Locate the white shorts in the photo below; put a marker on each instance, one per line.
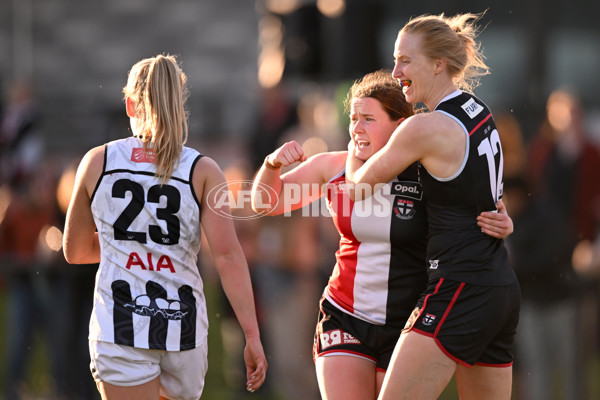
(181, 372)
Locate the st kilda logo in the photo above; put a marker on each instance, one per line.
(404, 209)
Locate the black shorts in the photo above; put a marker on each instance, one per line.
(340, 333)
(472, 324)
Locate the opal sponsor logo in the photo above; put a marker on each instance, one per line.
(412, 190)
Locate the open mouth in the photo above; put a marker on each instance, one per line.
(405, 84)
(362, 144)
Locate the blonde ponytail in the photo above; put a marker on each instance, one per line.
(158, 88)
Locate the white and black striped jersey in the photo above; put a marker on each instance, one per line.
(149, 293)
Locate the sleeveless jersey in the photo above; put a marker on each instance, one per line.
(457, 249)
(380, 267)
(149, 293)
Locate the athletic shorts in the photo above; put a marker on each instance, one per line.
(181, 372)
(339, 333)
(471, 324)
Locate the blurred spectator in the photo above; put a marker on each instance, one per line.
(294, 257)
(290, 285)
(76, 298)
(515, 194)
(29, 241)
(513, 147)
(21, 142)
(276, 114)
(562, 172)
(285, 256)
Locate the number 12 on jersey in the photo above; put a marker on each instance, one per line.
(490, 147)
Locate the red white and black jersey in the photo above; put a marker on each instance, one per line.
(380, 265)
(457, 248)
(148, 289)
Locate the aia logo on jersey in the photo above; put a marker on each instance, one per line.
(140, 155)
(428, 319)
(404, 209)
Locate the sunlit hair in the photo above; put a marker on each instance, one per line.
(157, 86)
(381, 86)
(454, 39)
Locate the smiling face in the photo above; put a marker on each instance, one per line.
(370, 126)
(412, 68)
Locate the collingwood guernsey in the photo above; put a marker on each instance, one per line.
(148, 288)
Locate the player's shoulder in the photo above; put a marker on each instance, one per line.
(441, 122)
(207, 171)
(94, 157)
(91, 167)
(428, 131)
(423, 125)
(433, 119)
(206, 166)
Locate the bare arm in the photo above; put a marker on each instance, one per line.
(402, 149)
(80, 241)
(232, 268)
(274, 194)
(432, 138)
(438, 144)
